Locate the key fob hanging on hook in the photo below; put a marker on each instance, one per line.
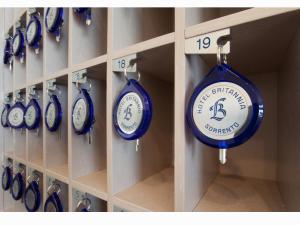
(86, 12)
(34, 32)
(132, 112)
(83, 112)
(16, 115)
(53, 113)
(225, 109)
(7, 55)
(53, 202)
(18, 185)
(4, 120)
(32, 195)
(7, 177)
(18, 44)
(32, 115)
(54, 21)
(84, 205)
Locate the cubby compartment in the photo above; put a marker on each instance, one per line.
(7, 71)
(20, 68)
(260, 175)
(200, 15)
(56, 142)
(8, 201)
(145, 181)
(89, 42)
(35, 136)
(19, 141)
(56, 53)
(133, 25)
(34, 61)
(89, 158)
(8, 144)
(80, 200)
(19, 167)
(38, 176)
(63, 192)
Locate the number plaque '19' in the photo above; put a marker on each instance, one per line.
(225, 109)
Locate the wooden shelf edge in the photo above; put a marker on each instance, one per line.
(145, 45)
(238, 18)
(82, 184)
(35, 166)
(128, 205)
(62, 175)
(35, 81)
(155, 189)
(57, 74)
(89, 63)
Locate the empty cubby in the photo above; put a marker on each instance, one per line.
(133, 25)
(146, 178)
(56, 142)
(89, 159)
(259, 173)
(89, 42)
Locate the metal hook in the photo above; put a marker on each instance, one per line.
(126, 76)
(86, 201)
(54, 187)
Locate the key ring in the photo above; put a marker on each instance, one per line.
(77, 84)
(54, 187)
(126, 75)
(86, 201)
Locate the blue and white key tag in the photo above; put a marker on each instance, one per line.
(53, 202)
(18, 42)
(32, 195)
(8, 53)
(54, 20)
(15, 116)
(33, 112)
(4, 113)
(86, 13)
(34, 30)
(53, 113)
(83, 116)
(225, 109)
(132, 111)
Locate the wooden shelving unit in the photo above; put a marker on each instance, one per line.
(172, 171)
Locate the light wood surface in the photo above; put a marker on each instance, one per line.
(152, 194)
(234, 193)
(172, 171)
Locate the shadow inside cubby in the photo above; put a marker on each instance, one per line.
(57, 141)
(134, 25)
(146, 177)
(199, 15)
(35, 136)
(90, 41)
(89, 159)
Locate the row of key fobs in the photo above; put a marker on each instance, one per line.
(14, 181)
